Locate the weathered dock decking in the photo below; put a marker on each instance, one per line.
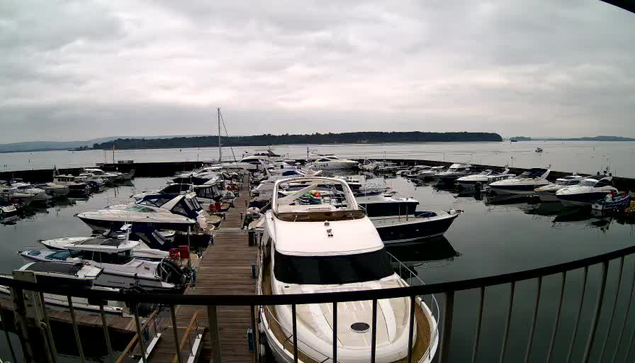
(224, 269)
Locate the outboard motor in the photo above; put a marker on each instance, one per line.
(170, 272)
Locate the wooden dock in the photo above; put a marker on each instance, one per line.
(224, 269)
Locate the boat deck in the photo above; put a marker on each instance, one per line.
(224, 269)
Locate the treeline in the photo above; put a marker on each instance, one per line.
(317, 138)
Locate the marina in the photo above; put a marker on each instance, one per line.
(228, 265)
(388, 187)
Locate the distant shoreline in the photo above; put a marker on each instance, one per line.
(286, 139)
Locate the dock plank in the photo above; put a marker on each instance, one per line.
(225, 268)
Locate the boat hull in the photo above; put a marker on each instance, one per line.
(582, 199)
(398, 230)
(100, 225)
(525, 189)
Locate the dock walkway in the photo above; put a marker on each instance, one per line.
(224, 269)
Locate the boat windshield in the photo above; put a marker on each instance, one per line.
(588, 183)
(332, 270)
(533, 173)
(140, 208)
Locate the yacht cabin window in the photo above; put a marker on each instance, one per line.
(332, 270)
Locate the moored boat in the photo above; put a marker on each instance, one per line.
(329, 245)
(587, 191)
(522, 185)
(417, 227)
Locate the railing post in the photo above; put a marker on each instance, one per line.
(533, 321)
(508, 322)
(626, 315)
(373, 339)
(334, 331)
(556, 323)
(6, 334)
(577, 320)
(78, 340)
(411, 323)
(294, 317)
(22, 323)
(104, 323)
(477, 334)
(52, 350)
(448, 314)
(176, 333)
(142, 345)
(617, 295)
(598, 311)
(212, 319)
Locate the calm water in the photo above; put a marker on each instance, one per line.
(485, 240)
(582, 157)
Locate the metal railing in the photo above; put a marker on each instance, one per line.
(593, 342)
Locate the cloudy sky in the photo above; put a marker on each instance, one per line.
(74, 70)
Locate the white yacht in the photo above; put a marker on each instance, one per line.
(119, 268)
(454, 172)
(108, 177)
(111, 238)
(36, 195)
(548, 192)
(483, 179)
(524, 184)
(429, 174)
(586, 192)
(332, 162)
(160, 211)
(55, 190)
(326, 244)
(75, 188)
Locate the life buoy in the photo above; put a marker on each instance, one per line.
(174, 253)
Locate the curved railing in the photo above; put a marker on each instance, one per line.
(448, 289)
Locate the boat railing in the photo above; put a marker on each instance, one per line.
(592, 317)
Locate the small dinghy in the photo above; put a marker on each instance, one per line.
(613, 202)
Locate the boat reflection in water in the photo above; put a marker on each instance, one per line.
(429, 252)
(564, 215)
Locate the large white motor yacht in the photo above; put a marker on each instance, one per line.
(548, 192)
(524, 184)
(318, 240)
(332, 162)
(586, 192)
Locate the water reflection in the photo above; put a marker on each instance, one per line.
(429, 252)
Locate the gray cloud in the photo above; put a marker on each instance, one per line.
(85, 69)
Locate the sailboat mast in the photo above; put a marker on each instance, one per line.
(220, 149)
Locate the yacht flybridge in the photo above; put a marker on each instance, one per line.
(316, 240)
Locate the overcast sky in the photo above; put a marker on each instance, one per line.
(74, 70)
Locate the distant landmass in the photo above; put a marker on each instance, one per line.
(586, 138)
(316, 138)
(595, 138)
(29, 146)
